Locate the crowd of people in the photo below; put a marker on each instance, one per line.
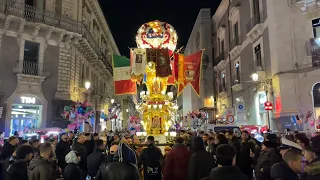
(193, 156)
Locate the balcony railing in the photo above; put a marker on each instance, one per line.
(256, 19)
(33, 14)
(220, 57)
(235, 80)
(222, 88)
(234, 42)
(30, 68)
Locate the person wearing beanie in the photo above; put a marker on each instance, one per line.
(19, 168)
(268, 156)
(312, 155)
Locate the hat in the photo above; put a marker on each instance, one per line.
(270, 144)
(113, 149)
(287, 144)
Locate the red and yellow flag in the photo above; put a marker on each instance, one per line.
(191, 72)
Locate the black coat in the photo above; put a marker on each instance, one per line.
(62, 149)
(7, 151)
(244, 161)
(265, 161)
(94, 161)
(200, 165)
(281, 171)
(40, 169)
(17, 170)
(227, 173)
(73, 172)
(119, 171)
(312, 171)
(81, 149)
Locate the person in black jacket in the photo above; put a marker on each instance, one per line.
(268, 157)
(19, 168)
(123, 169)
(78, 146)
(246, 155)
(40, 168)
(290, 168)
(7, 151)
(152, 160)
(62, 149)
(95, 159)
(201, 162)
(72, 170)
(9, 147)
(226, 170)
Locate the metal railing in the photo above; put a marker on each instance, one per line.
(36, 15)
(256, 19)
(220, 57)
(236, 80)
(234, 42)
(30, 68)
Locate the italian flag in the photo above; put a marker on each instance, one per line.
(122, 76)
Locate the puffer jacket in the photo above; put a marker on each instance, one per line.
(123, 169)
(312, 171)
(40, 169)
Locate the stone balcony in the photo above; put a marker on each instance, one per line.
(236, 83)
(255, 25)
(308, 7)
(18, 17)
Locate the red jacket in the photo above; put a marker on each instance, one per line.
(176, 163)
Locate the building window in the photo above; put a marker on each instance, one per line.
(258, 55)
(256, 7)
(236, 32)
(316, 27)
(82, 74)
(222, 46)
(31, 58)
(222, 86)
(237, 72)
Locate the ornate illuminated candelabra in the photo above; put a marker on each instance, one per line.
(157, 106)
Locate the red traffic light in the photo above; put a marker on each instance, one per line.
(268, 106)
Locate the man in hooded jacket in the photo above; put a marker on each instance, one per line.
(124, 167)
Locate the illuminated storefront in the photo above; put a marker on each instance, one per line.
(24, 112)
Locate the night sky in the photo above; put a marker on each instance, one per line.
(125, 17)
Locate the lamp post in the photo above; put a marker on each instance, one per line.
(255, 77)
(87, 85)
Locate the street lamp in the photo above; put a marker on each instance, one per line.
(87, 85)
(255, 77)
(112, 101)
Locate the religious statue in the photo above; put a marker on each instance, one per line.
(156, 122)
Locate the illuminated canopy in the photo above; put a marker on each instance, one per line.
(157, 34)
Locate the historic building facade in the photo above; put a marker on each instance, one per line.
(265, 50)
(49, 52)
(198, 40)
